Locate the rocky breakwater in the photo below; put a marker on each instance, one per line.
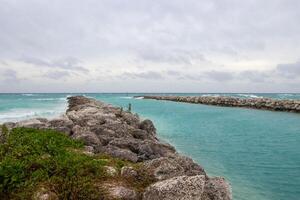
(255, 103)
(106, 129)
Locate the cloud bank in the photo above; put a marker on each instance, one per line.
(150, 46)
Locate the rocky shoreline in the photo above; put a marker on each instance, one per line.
(255, 103)
(106, 129)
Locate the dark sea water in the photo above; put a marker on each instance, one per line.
(257, 151)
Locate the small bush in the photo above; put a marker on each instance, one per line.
(4, 130)
(33, 161)
(31, 158)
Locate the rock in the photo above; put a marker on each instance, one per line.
(140, 134)
(128, 172)
(44, 194)
(148, 126)
(117, 152)
(256, 103)
(121, 192)
(110, 170)
(88, 137)
(177, 165)
(217, 189)
(177, 188)
(62, 124)
(131, 119)
(88, 150)
(151, 149)
(10, 125)
(31, 123)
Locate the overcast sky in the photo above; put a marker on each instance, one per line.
(150, 46)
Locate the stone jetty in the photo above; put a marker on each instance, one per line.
(106, 129)
(255, 103)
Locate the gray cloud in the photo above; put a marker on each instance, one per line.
(68, 63)
(10, 77)
(149, 75)
(198, 35)
(57, 74)
(173, 73)
(219, 75)
(255, 76)
(290, 70)
(171, 56)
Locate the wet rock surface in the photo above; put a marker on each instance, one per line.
(106, 129)
(255, 103)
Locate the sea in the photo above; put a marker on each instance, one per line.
(257, 151)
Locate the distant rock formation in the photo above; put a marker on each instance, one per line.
(255, 103)
(110, 130)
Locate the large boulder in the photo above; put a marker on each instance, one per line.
(177, 188)
(197, 187)
(32, 123)
(117, 152)
(217, 189)
(118, 191)
(148, 126)
(88, 137)
(177, 165)
(44, 194)
(63, 124)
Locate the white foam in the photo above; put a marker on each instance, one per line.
(210, 95)
(15, 115)
(249, 96)
(126, 97)
(139, 97)
(50, 99)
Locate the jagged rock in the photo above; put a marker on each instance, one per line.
(128, 172)
(168, 167)
(10, 125)
(88, 137)
(88, 150)
(177, 188)
(217, 189)
(117, 152)
(62, 124)
(131, 119)
(31, 123)
(256, 103)
(111, 170)
(139, 134)
(148, 126)
(44, 194)
(120, 192)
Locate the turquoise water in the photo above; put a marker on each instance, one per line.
(257, 151)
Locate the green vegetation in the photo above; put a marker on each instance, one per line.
(35, 160)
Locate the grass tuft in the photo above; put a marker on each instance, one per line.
(34, 161)
(30, 159)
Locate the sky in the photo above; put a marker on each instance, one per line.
(150, 46)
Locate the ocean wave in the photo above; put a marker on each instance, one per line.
(126, 97)
(210, 95)
(139, 97)
(249, 95)
(28, 95)
(51, 99)
(22, 114)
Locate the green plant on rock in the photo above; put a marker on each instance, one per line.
(31, 158)
(33, 162)
(3, 133)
